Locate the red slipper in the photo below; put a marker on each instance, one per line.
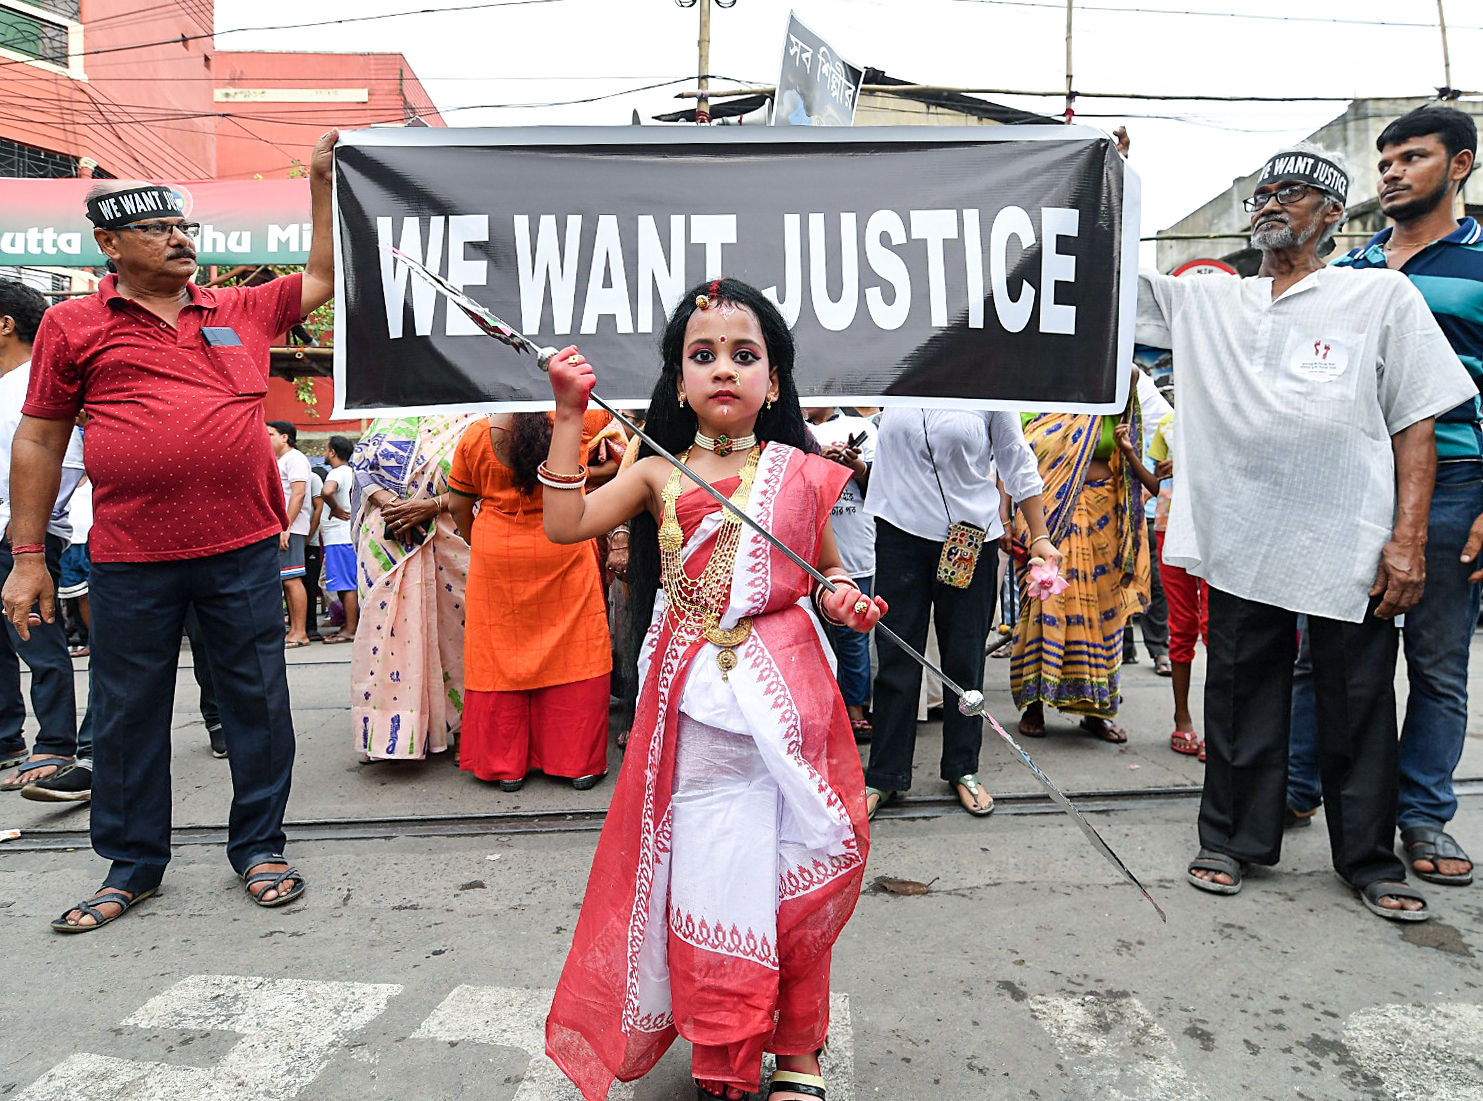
(1188, 743)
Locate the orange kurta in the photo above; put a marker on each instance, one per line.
(534, 614)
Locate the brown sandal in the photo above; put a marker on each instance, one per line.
(1105, 729)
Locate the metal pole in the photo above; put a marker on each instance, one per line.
(703, 104)
(1070, 95)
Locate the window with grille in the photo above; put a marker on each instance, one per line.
(31, 36)
(29, 162)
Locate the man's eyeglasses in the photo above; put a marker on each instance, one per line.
(164, 229)
(1285, 197)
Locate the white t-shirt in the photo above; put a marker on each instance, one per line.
(1285, 490)
(333, 532)
(12, 397)
(294, 467)
(965, 447)
(316, 484)
(854, 529)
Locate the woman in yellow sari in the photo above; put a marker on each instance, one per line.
(1067, 650)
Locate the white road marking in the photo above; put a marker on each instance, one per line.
(1422, 1052)
(1120, 1051)
(505, 1017)
(290, 1030)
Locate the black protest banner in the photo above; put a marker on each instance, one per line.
(992, 267)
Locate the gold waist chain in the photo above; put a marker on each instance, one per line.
(698, 602)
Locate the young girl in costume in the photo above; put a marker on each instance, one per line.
(734, 849)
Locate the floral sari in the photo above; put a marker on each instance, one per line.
(407, 667)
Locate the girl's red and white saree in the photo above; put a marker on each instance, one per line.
(735, 845)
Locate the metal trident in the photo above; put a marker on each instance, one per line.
(970, 700)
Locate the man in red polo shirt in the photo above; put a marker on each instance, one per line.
(172, 375)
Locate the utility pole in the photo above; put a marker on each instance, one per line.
(1445, 92)
(1070, 95)
(703, 101)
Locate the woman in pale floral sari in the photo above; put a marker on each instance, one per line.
(407, 670)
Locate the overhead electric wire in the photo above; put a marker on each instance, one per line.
(183, 39)
(1118, 10)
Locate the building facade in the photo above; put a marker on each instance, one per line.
(1220, 228)
(116, 88)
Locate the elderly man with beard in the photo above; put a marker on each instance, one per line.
(172, 375)
(1425, 158)
(1307, 401)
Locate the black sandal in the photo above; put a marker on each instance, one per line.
(1209, 861)
(90, 909)
(791, 1081)
(1431, 843)
(273, 881)
(1371, 894)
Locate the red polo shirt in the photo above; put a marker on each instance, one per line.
(175, 447)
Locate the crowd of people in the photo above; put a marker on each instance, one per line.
(1324, 476)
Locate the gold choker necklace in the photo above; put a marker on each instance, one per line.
(723, 444)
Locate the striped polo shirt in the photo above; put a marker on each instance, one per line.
(1449, 274)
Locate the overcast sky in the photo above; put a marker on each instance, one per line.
(478, 63)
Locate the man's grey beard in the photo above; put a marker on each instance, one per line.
(1272, 236)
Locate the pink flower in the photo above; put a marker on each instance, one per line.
(1044, 579)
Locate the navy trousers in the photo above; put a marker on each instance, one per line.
(45, 653)
(139, 611)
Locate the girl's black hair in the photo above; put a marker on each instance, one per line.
(673, 425)
(527, 444)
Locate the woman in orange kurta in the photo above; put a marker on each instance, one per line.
(537, 656)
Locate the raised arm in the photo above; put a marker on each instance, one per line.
(572, 516)
(319, 272)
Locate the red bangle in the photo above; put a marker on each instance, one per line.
(29, 548)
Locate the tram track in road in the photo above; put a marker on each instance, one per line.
(523, 823)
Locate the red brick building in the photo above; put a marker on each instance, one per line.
(124, 89)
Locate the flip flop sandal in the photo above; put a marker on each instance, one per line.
(1209, 861)
(1371, 894)
(10, 760)
(337, 640)
(862, 729)
(884, 797)
(1163, 667)
(1430, 843)
(271, 880)
(1105, 729)
(1186, 742)
(969, 783)
(90, 909)
(60, 763)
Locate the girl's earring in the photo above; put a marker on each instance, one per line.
(682, 401)
(769, 403)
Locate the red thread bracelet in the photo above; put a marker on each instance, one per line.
(29, 548)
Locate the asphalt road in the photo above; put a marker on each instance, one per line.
(420, 962)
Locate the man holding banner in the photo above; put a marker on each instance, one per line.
(171, 374)
(1307, 401)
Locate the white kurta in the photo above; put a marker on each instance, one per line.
(1285, 493)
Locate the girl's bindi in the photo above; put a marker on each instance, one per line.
(723, 338)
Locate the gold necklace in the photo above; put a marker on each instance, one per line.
(698, 602)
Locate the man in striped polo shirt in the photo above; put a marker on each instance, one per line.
(1425, 157)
